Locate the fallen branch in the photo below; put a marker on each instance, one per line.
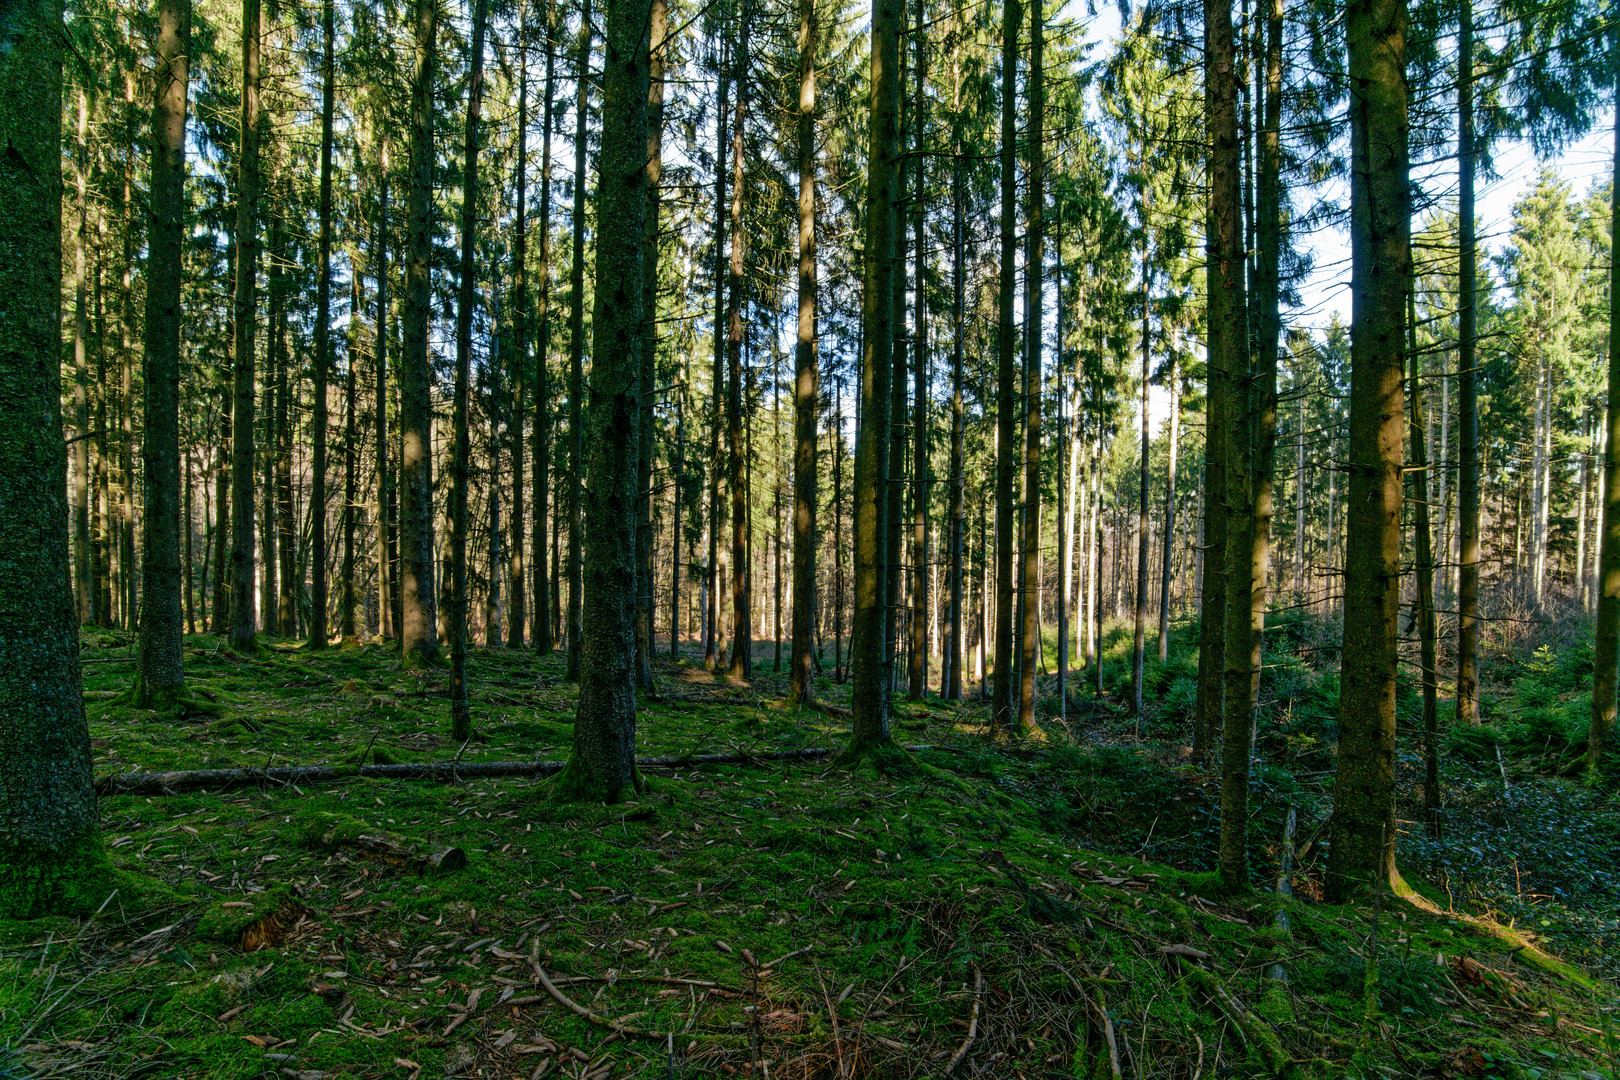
(581, 1011)
(166, 783)
(973, 1024)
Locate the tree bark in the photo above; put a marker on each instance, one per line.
(1363, 841)
(384, 548)
(869, 697)
(318, 632)
(1606, 652)
(921, 541)
(1030, 538)
(517, 622)
(806, 384)
(576, 354)
(1468, 555)
(419, 640)
(658, 28)
(245, 319)
(603, 763)
(1001, 703)
(160, 672)
(460, 714)
(742, 635)
(49, 834)
(543, 580)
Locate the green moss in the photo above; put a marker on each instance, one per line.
(575, 785)
(75, 881)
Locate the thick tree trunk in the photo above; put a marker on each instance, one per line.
(1363, 841)
(245, 320)
(48, 836)
(806, 383)
(419, 640)
(869, 699)
(603, 763)
(318, 632)
(160, 673)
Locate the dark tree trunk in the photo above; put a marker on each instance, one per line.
(951, 677)
(419, 622)
(347, 595)
(917, 671)
(576, 352)
(742, 631)
(160, 672)
(516, 623)
(1363, 841)
(460, 715)
(713, 621)
(1607, 639)
(323, 347)
(659, 26)
(869, 698)
(806, 383)
(245, 317)
(1001, 701)
(603, 763)
(384, 551)
(49, 836)
(543, 578)
(1468, 556)
(1030, 539)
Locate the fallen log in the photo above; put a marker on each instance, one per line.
(166, 783)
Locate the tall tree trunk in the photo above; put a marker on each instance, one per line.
(603, 763)
(270, 584)
(517, 622)
(160, 676)
(347, 595)
(83, 598)
(951, 677)
(318, 632)
(917, 672)
(576, 352)
(1606, 653)
(869, 698)
(714, 622)
(1424, 558)
(806, 384)
(742, 649)
(659, 28)
(219, 617)
(1030, 539)
(1139, 625)
(1173, 378)
(384, 548)
(245, 317)
(543, 579)
(286, 534)
(1001, 702)
(460, 714)
(1380, 212)
(1225, 317)
(49, 846)
(419, 640)
(1468, 555)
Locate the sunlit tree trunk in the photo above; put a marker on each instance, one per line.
(1001, 699)
(806, 383)
(318, 632)
(576, 353)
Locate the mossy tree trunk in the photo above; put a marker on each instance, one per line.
(1380, 228)
(160, 672)
(48, 831)
(603, 764)
(419, 640)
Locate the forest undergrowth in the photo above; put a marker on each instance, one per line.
(969, 909)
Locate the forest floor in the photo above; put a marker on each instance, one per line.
(1038, 910)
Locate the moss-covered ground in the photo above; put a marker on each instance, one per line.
(1035, 910)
